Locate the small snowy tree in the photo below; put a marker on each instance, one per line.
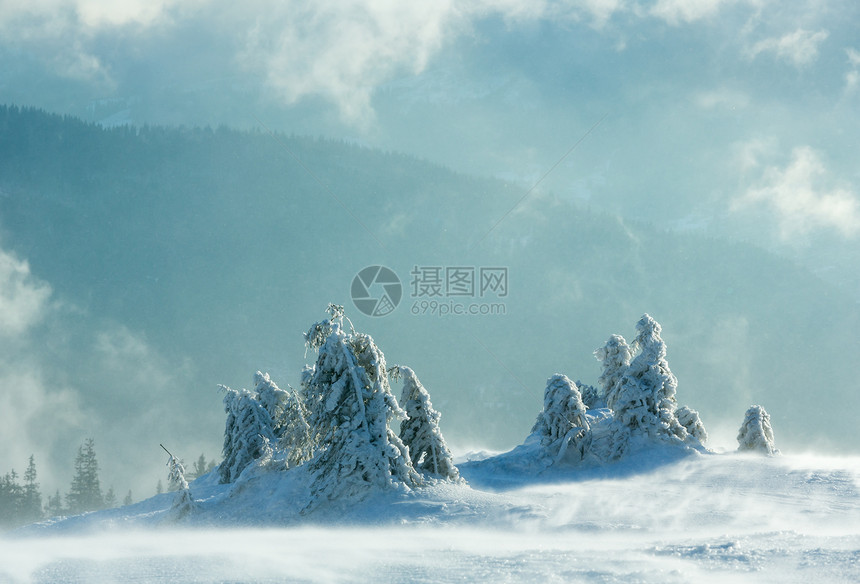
(289, 417)
(689, 418)
(615, 357)
(274, 399)
(183, 502)
(248, 434)
(350, 407)
(420, 431)
(295, 439)
(756, 433)
(644, 398)
(563, 420)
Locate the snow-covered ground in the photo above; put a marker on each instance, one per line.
(662, 516)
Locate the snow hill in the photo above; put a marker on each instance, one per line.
(661, 516)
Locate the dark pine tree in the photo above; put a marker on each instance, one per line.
(85, 493)
(31, 507)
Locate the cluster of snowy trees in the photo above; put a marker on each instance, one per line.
(634, 404)
(338, 426)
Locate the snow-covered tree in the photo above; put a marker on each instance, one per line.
(295, 440)
(273, 398)
(563, 422)
(248, 434)
(289, 418)
(689, 418)
(644, 398)
(756, 433)
(420, 431)
(85, 493)
(128, 500)
(350, 406)
(615, 357)
(183, 502)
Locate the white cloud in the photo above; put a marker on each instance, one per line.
(56, 15)
(23, 298)
(799, 196)
(340, 50)
(685, 11)
(800, 48)
(343, 50)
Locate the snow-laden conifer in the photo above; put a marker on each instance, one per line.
(644, 398)
(420, 430)
(183, 501)
(248, 434)
(615, 357)
(289, 423)
(756, 433)
(690, 420)
(273, 398)
(350, 406)
(563, 423)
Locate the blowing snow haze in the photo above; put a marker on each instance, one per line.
(184, 187)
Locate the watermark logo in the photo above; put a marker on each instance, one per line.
(435, 290)
(376, 291)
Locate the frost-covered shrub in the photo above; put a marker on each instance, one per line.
(350, 406)
(420, 430)
(756, 433)
(248, 434)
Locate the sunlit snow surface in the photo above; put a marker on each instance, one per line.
(714, 518)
